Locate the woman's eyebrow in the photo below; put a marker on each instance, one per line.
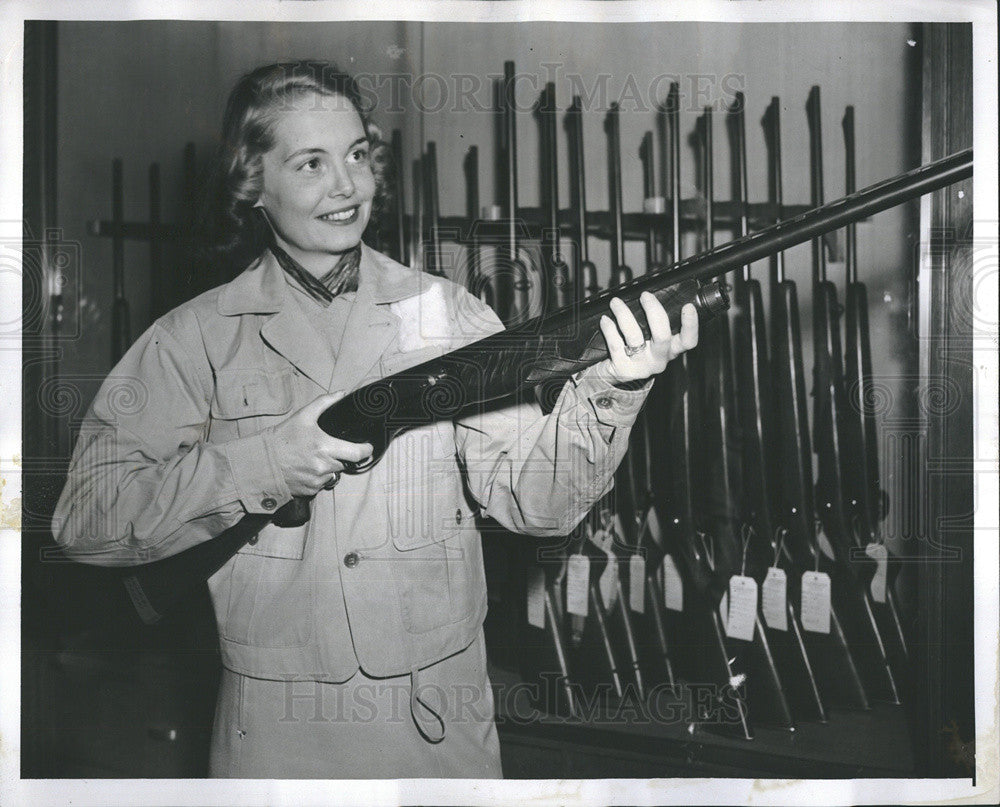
(305, 151)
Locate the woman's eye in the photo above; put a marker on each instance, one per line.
(310, 165)
(359, 155)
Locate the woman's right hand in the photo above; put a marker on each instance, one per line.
(309, 458)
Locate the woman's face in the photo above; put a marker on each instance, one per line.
(318, 183)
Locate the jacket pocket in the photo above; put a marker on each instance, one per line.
(424, 486)
(254, 398)
(270, 603)
(436, 557)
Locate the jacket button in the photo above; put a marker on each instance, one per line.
(253, 540)
(268, 503)
(351, 560)
(458, 516)
(604, 402)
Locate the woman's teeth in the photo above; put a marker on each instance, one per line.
(343, 215)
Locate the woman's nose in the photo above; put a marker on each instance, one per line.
(342, 183)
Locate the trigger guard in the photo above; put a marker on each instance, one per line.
(359, 467)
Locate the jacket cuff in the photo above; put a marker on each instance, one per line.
(257, 478)
(612, 405)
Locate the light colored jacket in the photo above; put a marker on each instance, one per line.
(388, 572)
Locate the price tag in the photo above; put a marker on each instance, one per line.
(742, 607)
(536, 597)
(673, 586)
(637, 583)
(773, 599)
(816, 602)
(880, 555)
(577, 583)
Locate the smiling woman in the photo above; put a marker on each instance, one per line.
(381, 594)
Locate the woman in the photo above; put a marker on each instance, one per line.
(352, 646)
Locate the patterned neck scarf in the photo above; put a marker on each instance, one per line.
(342, 277)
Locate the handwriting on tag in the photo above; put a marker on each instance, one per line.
(673, 586)
(536, 597)
(880, 555)
(816, 602)
(637, 583)
(742, 607)
(773, 599)
(577, 584)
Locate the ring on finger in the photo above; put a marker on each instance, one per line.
(332, 481)
(632, 350)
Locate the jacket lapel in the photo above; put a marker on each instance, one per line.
(371, 327)
(291, 334)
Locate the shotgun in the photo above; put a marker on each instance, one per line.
(503, 364)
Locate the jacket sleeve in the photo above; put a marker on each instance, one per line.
(143, 482)
(539, 474)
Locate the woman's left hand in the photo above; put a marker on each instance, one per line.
(633, 358)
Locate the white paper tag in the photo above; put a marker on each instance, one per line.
(637, 583)
(673, 586)
(880, 555)
(577, 583)
(773, 599)
(536, 597)
(742, 607)
(816, 602)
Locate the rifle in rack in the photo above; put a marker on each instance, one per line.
(778, 628)
(398, 205)
(432, 264)
(584, 271)
(513, 281)
(866, 500)
(851, 576)
(704, 560)
(651, 203)
(512, 361)
(476, 280)
(835, 668)
(558, 290)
